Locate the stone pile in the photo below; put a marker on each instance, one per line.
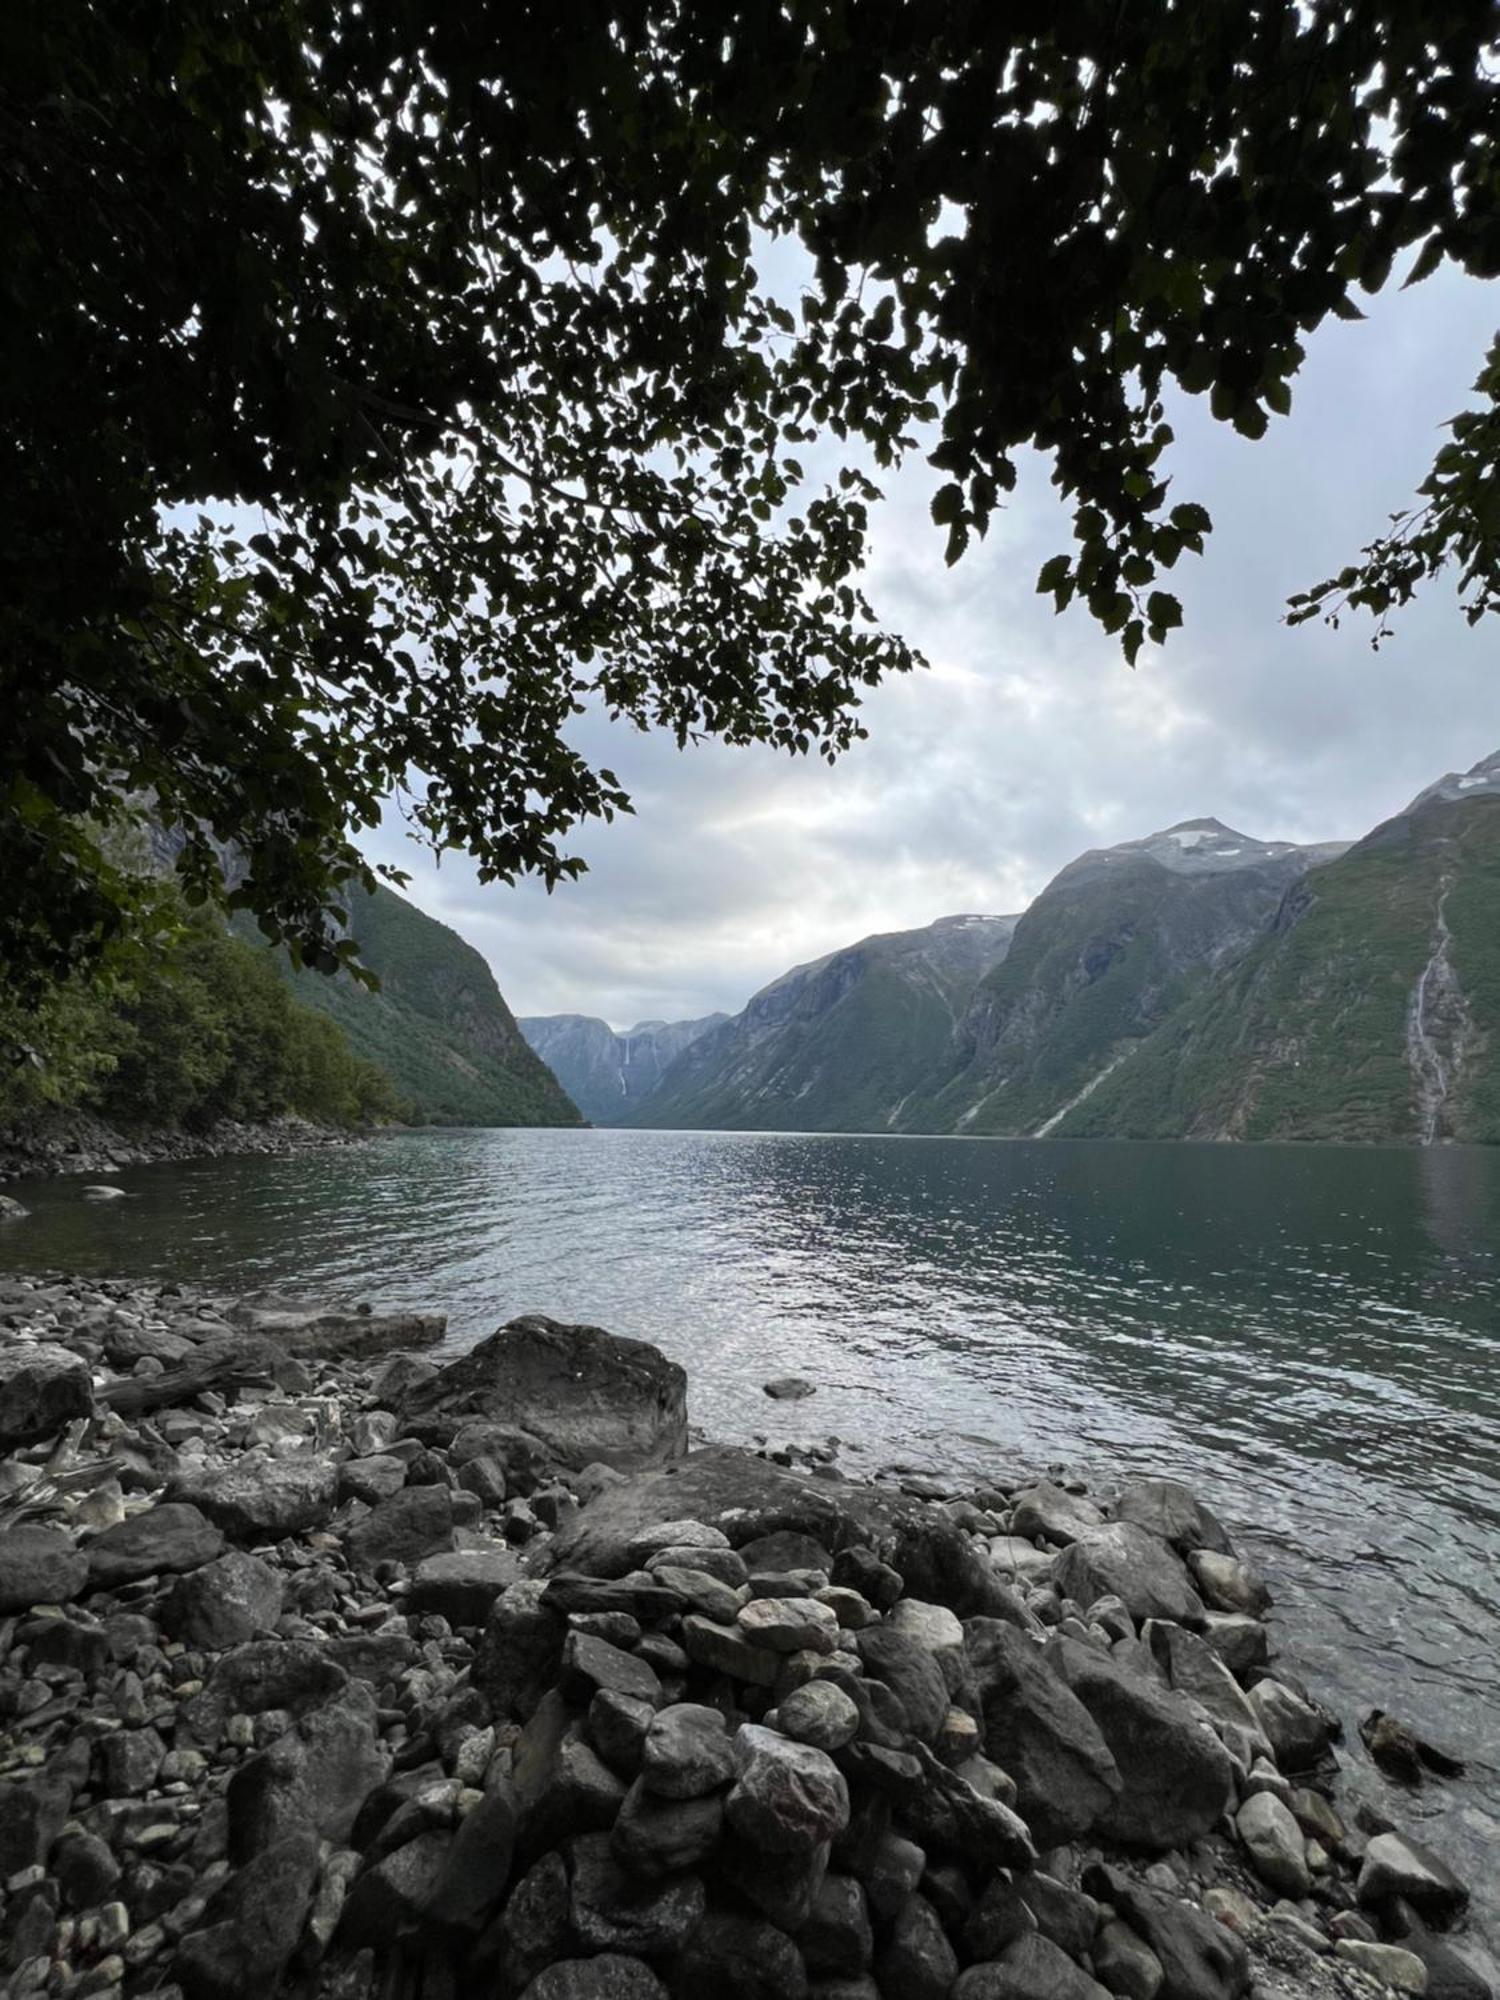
(364, 1677)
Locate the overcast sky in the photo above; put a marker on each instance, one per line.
(1029, 740)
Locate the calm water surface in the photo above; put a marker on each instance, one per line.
(1309, 1335)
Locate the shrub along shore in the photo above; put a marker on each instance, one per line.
(328, 1668)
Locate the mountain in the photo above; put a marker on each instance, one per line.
(608, 1074)
(1369, 1011)
(438, 1026)
(1114, 944)
(836, 1045)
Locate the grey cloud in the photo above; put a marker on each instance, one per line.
(1030, 740)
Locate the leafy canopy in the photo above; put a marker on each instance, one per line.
(381, 383)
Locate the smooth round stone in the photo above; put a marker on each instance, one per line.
(728, 1565)
(851, 1610)
(820, 1714)
(789, 1624)
(1394, 1967)
(1273, 1840)
(687, 1752)
(673, 1535)
(932, 1626)
(1227, 1584)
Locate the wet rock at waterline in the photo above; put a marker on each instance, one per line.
(790, 1389)
(42, 1387)
(589, 1397)
(292, 1693)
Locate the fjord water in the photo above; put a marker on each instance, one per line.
(1308, 1335)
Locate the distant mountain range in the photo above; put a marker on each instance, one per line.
(608, 1075)
(835, 1045)
(1195, 984)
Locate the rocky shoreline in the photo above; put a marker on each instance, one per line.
(77, 1144)
(329, 1671)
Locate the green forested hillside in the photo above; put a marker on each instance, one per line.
(1112, 947)
(438, 1026)
(1370, 1010)
(195, 1029)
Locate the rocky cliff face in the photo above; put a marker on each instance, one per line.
(1369, 1011)
(836, 1045)
(1109, 950)
(607, 1073)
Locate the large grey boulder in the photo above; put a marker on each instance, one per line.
(476, 1869)
(415, 1523)
(161, 1541)
(39, 1566)
(742, 1496)
(1038, 1730)
(225, 1603)
(261, 1499)
(589, 1396)
(251, 1925)
(787, 1797)
(1274, 1842)
(1176, 1778)
(1297, 1729)
(1048, 1513)
(317, 1775)
(1193, 1668)
(461, 1586)
(1123, 1560)
(1167, 1508)
(520, 1652)
(1395, 1866)
(42, 1387)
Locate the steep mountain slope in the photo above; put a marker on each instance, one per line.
(1370, 1011)
(438, 1026)
(608, 1074)
(838, 1044)
(1112, 946)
